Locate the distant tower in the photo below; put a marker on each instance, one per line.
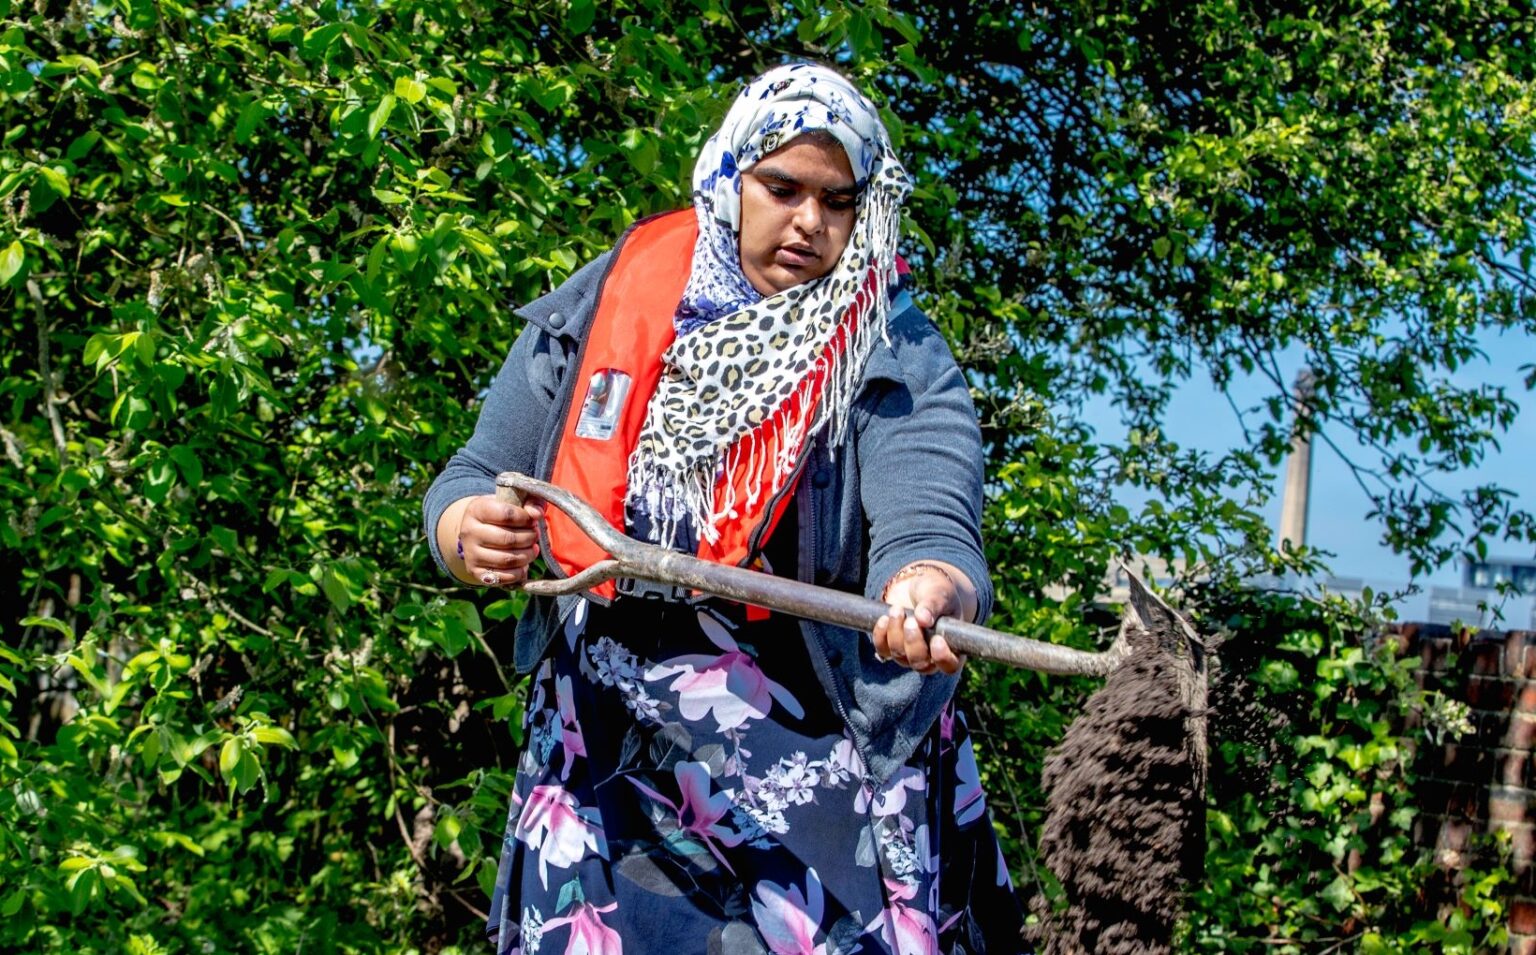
(1298, 469)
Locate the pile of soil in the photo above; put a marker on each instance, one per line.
(1125, 802)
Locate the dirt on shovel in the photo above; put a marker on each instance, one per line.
(1125, 796)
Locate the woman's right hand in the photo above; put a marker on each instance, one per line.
(497, 541)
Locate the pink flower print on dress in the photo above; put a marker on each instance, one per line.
(729, 687)
(906, 930)
(571, 742)
(700, 813)
(787, 919)
(560, 832)
(589, 936)
(891, 800)
(843, 764)
(791, 781)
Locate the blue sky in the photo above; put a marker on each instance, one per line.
(1200, 417)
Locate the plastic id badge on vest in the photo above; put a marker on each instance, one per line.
(606, 391)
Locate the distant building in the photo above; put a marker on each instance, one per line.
(1295, 501)
(1479, 592)
(1450, 605)
(1489, 574)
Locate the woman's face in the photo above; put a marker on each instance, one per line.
(797, 209)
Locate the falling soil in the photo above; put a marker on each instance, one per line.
(1125, 811)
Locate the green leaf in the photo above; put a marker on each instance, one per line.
(191, 466)
(485, 875)
(82, 888)
(11, 259)
(335, 588)
(247, 772)
(274, 736)
(121, 882)
(1339, 894)
(380, 115)
(76, 61)
(410, 90)
(645, 155)
(317, 41)
(452, 636)
(505, 608)
(56, 179)
(580, 15)
(158, 478)
(146, 77)
(226, 539)
(448, 828)
(12, 182)
(229, 757)
(251, 116)
(52, 623)
(467, 612)
(82, 145)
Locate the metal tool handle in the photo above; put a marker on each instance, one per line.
(632, 558)
(507, 494)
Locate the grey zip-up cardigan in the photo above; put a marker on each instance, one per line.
(905, 486)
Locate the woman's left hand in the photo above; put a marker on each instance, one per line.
(918, 596)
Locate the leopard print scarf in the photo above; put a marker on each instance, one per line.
(743, 365)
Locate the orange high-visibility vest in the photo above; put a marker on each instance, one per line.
(631, 328)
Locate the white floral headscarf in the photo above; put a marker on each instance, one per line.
(739, 356)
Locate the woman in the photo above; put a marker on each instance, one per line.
(750, 381)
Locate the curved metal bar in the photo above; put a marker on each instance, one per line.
(582, 514)
(603, 570)
(632, 558)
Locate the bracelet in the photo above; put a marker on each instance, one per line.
(916, 567)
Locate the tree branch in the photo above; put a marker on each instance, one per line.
(12, 449)
(45, 368)
(239, 233)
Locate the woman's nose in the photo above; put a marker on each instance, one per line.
(808, 217)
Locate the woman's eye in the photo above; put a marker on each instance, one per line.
(780, 192)
(840, 205)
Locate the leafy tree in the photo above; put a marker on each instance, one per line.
(1321, 728)
(258, 261)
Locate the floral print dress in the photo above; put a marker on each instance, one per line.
(687, 787)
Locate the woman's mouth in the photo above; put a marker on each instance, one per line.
(796, 256)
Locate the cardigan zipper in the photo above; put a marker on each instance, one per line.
(806, 575)
(755, 539)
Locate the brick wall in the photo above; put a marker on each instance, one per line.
(1486, 780)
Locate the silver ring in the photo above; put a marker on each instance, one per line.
(490, 578)
(882, 659)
